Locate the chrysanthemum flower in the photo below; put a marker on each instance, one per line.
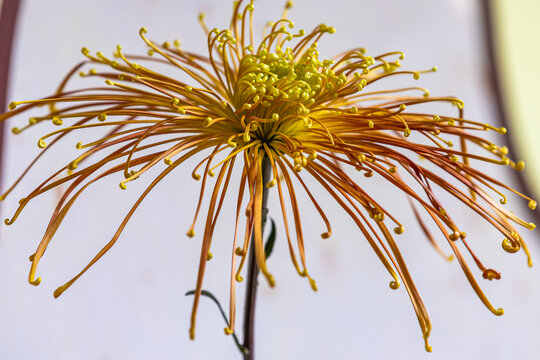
(248, 105)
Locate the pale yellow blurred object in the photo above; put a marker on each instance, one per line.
(517, 45)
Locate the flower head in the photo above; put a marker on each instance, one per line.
(274, 102)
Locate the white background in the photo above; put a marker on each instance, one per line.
(131, 304)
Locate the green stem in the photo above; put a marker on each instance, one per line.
(253, 272)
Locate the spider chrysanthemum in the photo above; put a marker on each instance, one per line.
(274, 102)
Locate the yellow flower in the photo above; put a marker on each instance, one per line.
(248, 104)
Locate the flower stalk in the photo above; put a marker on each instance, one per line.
(253, 273)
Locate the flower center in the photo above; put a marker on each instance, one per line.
(276, 85)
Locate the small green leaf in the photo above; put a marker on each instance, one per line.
(269, 246)
(208, 294)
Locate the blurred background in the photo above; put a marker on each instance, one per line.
(131, 304)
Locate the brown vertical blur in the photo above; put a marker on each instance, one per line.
(8, 19)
